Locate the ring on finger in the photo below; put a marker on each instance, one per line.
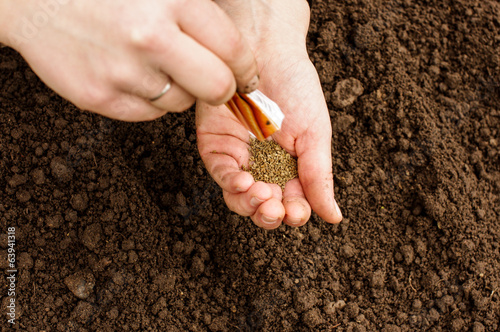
(167, 87)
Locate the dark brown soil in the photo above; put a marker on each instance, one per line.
(125, 217)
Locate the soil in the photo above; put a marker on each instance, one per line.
(119, 226)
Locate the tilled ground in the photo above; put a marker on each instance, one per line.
(119, 226)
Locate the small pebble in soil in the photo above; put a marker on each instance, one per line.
(91, 236)
(81, 284)
(270, 163)
(60, 170)
(312, 318)
(83, 312)
(25, 261)
(38, 176)
(54, 221)
(346, 92)
(79, 202)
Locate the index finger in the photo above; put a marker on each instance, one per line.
(210, 26)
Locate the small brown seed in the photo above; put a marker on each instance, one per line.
(270, 163)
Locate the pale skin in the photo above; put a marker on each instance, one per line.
(123, 54)
(110, 57)
(277, 32)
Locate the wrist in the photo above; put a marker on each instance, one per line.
(281, 23)
(4, 12)
(19, 22)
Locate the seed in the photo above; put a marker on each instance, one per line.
(270, 163)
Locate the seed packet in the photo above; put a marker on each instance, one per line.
(261, 116)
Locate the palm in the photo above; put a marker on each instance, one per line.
(288, 78)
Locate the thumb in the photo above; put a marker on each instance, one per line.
(315, 173)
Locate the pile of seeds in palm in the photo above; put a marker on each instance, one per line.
(270, 163)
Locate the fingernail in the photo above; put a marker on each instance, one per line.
(239, 189)
(268, 220)
(337, 208)
(254, 201)
(293, 221)
(252, 85)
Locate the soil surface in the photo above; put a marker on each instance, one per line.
(119, 226)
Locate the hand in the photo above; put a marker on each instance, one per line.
(277, 36)
(112, 57)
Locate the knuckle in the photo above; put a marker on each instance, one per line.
(127, 108)
(122, 75)
(182, 105)
(243, 209)
(94, 98)
(235, 46)
(223, 88)
(150, 116)
(151, 38)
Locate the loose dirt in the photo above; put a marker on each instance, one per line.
(119, 226)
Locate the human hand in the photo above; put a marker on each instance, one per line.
(113, 57)
(290, 79)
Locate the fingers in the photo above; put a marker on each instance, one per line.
(196, 69)
(223, 157)
(298, 210)
(243, 195)
(269, 214)
(315, 173)
(247, 203)
(176, 99)
(127, 107)
(204, 57)
(229, 178)
(210, 26)
(262, 202)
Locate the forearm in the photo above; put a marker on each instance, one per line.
(5, 9)
(21, 21)
(282, 22)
